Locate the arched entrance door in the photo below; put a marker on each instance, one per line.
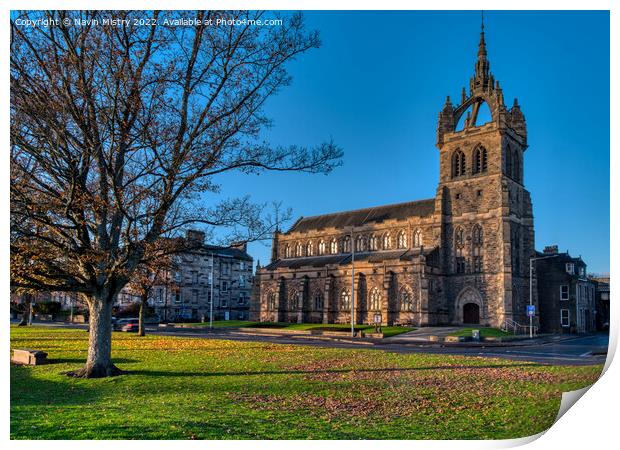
(471, 313)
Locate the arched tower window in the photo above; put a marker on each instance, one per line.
(333, 246)
(375, 300)
(401, 240)
(345, 300)
(516, 166)
(459, 244)
(508, 162)
(321, 247)
(480, 159)
(417, 238)
(405, 300)
(477, 240)
(516, 249)
(458, 164)
(387, 241)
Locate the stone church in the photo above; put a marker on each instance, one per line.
(459, 258)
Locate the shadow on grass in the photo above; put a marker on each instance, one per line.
(83, 360)
(156, 373)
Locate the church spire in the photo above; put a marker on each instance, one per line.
(482, 46)
(482, 78)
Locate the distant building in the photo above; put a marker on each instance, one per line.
(188, 294)
(601, 298)
(566, 296)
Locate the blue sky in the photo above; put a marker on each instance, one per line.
(379, 80)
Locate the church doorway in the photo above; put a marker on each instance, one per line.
(471, 313)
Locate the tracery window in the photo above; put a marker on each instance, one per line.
(458, 164)
(309, 249)
(271, 301)
(375, 300)
(299, 249)
(374, 242)
(295, 300)
(287, 251)
(359, 244)
(334, 246)
(387, 241)
(321, 247)
(405, 300)
(459, 244)
(417, 238)
(346, 244)
(318, 301)
(345, 300)
(477, 238)
(401, 240)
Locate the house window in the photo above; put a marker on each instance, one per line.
(223, 302)
(194, 296)
(564, 292)
(177, 296)
(565, 318)
(224, 286)
(582, 271)
(570, 268)
(194, 277)
(241, 300)
(160, 295)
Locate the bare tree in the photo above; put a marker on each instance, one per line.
(118, 135)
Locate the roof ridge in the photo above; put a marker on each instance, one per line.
(369, 209)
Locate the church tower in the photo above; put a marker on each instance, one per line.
(487, 231)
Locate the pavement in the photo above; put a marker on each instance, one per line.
(549, 350)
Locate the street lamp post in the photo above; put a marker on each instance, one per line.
(352, 285)
(211, 292)
(531, 288)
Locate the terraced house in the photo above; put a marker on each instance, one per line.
(460, 257)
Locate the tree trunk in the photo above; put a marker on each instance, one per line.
(26, 315)
(141, 316)
(99, 361)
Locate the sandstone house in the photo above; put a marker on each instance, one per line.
(461, 257)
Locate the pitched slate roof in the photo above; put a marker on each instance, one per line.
(358, 217)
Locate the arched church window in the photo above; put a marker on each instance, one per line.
(458, 164)
(295, 300)
(309, 249)
(333, 246)
(374, 242)
(508, 171)
(287, 251)
(271, 301)
(299, 250)
(318, 301)
(459, 243)
(387, 241)
(477, 238)
(346, 244)
(516, 248)
(405, 300)
(480, 159)
(321, 247)
(375, 300)
(359, 244)
(516, 166)
(345, 300)
(401, 240)
(417, 238)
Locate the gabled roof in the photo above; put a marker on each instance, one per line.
(359, 217)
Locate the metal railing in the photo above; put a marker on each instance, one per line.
(510, 326)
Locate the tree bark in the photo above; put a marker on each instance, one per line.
(99, 360)
(143, 302)
(26, 315)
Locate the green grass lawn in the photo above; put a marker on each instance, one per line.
(484, 332)
(187, 388)
(387, 331)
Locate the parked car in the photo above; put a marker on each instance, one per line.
(130, 325)
(120, 323)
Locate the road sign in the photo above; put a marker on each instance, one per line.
(377, 318)
(531, 310)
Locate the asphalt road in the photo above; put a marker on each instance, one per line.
(578, 350)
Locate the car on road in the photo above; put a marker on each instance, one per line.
(130, 325)
(120, 323)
